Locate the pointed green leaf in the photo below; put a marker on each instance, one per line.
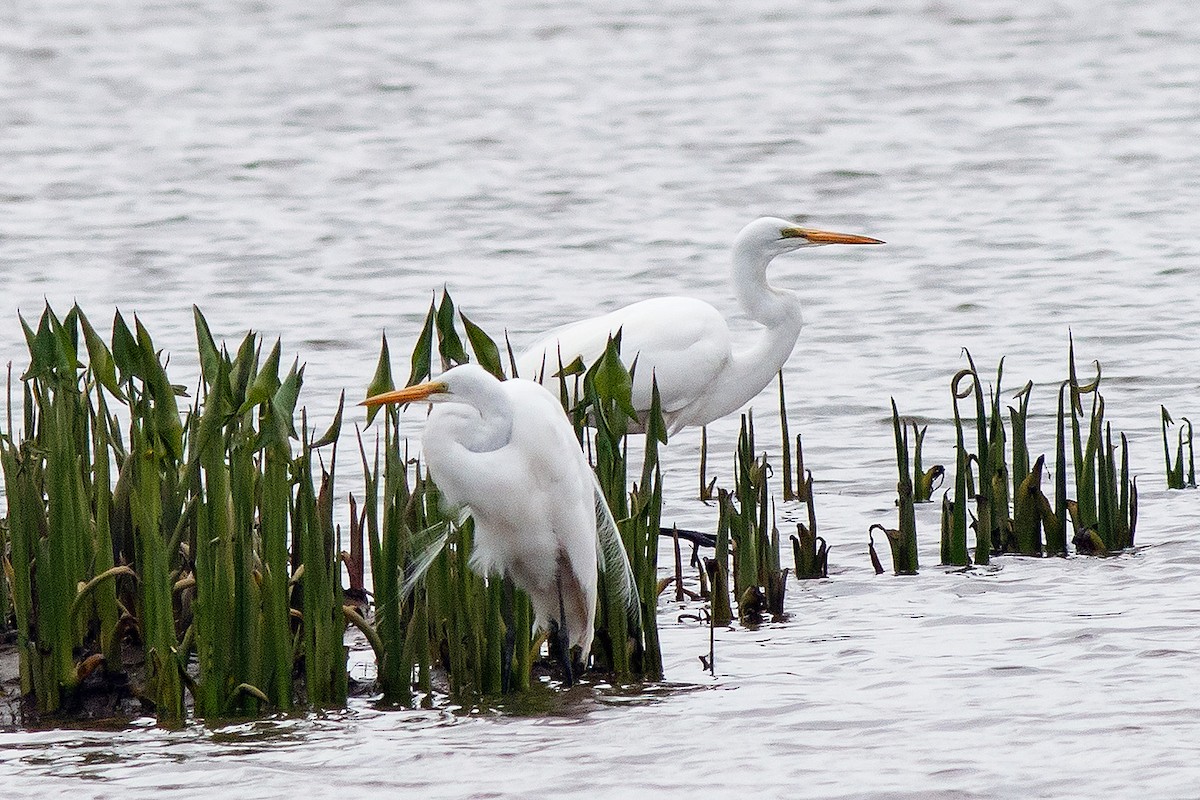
(244, 366)
(166, 411)
(284, 401)
(125, 350)
(102, 364)
(67, 334)
(40, 357)
(422, 355)
(512, 359)
(266, 383)
(335, 428)
(382, 382)
(210, 357)
(576, 367)
(450, 346)
(610, 378)
(486, 351)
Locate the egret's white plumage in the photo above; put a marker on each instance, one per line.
(506, 453)
(686, 344)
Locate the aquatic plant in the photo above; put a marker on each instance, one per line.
(185, 550)
(810, 552)
(758, 582)
(268, 593)
(1176, 478)
(1017, 516)
(903, 539)
(991, 490)
(789, 493)
(629, 647)
(955, 512)
(1105, 511)
(925, 481)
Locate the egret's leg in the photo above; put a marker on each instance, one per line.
(510, 637)
(562, 638)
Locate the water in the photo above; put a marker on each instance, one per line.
(317, 170)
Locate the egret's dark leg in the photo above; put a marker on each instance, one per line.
(562, 637)
(510, 637)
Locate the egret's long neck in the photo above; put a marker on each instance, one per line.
(763, 303)
(777, 310)
(491, 423)
(479, 422)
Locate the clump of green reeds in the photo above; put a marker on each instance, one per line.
(1176, 479)
(925, 481)
(985, 475)
(903, 539)
(1012, 513)
(745, 532)
(431, 610)
(262, 542)
(810, 552)
(173, 542)
(1105, 511)
(916, 484)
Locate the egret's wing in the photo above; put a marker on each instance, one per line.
(610, 553)
(429, 544)
(682, 341)
(585, 340)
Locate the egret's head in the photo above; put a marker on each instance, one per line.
(461, 384)
(774, 235)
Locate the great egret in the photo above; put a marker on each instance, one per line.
(506, 453)
(686, 344)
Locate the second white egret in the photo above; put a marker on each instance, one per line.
(685, 343)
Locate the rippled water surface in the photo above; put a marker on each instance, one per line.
(316, 170)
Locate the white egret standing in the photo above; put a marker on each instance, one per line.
(506, 453)
(686, 344)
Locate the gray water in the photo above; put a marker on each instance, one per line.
(315, 171)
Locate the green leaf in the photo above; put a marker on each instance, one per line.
(382, 382)
(486, 351)
(67, 334)
(512, 359)
(450, 346)
(49, 345)
(288, 394)
(245, 363)
(422, 355)
(103, 366)
(610, 378)
(166, 411)
(125, 351)
(576, 367)
(210, 357)
(656, 428)
(335, 428)
(213, 416)
(41, 354)
(266, 383)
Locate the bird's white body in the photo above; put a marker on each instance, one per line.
(686, 345)
(506, 453)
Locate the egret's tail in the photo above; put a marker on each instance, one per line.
(611, 557)
(427, 544)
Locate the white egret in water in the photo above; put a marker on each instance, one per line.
(506, 453)
(685, 344)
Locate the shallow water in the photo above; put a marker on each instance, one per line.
(316, 170)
